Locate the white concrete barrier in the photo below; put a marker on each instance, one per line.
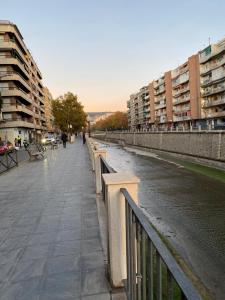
(98, 176)
(116, 222)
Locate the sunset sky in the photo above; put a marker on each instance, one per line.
(104, 50)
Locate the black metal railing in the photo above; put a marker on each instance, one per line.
(8, 160)
(152, 271)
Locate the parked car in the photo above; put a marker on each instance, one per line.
(5, 146)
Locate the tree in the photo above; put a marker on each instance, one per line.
(68, 113)
(116, 121)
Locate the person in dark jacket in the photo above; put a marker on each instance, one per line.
(84, 137)
(64, 139)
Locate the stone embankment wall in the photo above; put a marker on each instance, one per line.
(204, 144)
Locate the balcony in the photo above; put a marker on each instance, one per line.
(14, 76)
(16, 62)
(160, 113)
(161, 105)
(17, 108)
(212, 90)
(17, 122)
(211, 80)
(42, 118)
(15, 92)
(208, 68)
(181, 118)
(159, 91)
(179, 71)
(158, 82)
(178, 92)
(8, 45)
(211, 103)
(181, 100)
(181, 110)
(180, 80)
(214, 51)
(216, 114)
(40, 90)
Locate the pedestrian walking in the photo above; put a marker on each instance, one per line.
(84, 137)
(64, 139)
(19, 140)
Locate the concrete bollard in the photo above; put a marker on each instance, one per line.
(97, 163)
(116, 222)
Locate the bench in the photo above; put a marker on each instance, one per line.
(35, 152)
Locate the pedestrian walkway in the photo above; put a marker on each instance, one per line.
(50, 246)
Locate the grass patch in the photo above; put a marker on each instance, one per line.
(204, 170)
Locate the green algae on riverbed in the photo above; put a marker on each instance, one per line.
(205, 170)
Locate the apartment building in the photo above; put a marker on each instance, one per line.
(21, 88)
(48, 111)
(139, 109)
(186, 93)
(163, 101)
(212, 71)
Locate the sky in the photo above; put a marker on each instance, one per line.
(105, 50)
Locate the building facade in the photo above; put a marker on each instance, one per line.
(190, 96)
(186, 93)
(48, 111)
(212, 70)
(162, 101)
(139, 109)
(21, 88)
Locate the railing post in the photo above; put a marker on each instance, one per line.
(97, 163)
(117, 224)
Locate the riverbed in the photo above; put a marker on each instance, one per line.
(188, 208)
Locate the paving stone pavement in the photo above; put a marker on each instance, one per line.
(50, 246)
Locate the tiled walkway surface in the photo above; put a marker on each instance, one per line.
(49, 232)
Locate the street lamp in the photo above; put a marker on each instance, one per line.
(89, 126)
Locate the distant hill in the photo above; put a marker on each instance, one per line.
(95, 116)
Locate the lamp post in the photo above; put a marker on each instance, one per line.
(89, 126)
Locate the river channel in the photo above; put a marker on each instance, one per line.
(186, 207)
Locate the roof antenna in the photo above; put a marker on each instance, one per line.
(209, 41)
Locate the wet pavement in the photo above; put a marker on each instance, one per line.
(187, 207)
(50, 246)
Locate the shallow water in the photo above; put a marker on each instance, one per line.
(187, 207)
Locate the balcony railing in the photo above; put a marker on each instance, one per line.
(216, 114)
(16, 108)
(212, 66)
(178, 92)
(209, 103)
(181, 100)
(181, 118)
(161, 105)
(213, 90)
(211, 80)
(15, 91)
(181, 110)
(14, 61)
(14, 76)
(159, 91)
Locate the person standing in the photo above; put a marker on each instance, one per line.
(84, 137)
(19, 141)
(64, 139)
